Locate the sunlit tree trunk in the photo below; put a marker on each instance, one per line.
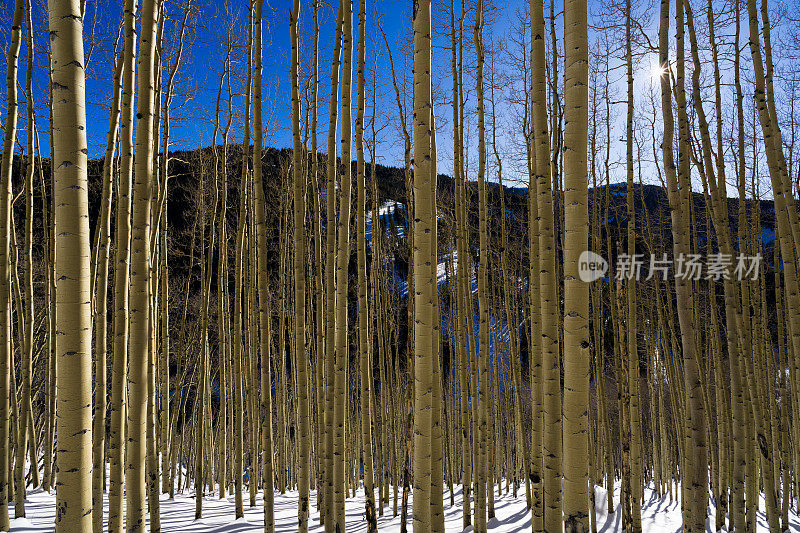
(119, 381)
(534, 332)
(264, 303)
(238, 329)
(27, 441)
(49, 410)
(162, 394)
(73, 300)
(695, 474)
(462, 335)
(424, 230)
(631, 350)
(319, 283)
(785, 209)
(140, 275)
(551, 388)
(103, 243)
(483, 355)
(6, 369)
(330, 278)
(576, 291)
(364, 331)
(300, 346)
(342, 282)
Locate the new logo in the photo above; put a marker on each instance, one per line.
(591, 266)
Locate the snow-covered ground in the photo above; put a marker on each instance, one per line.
(658, 514)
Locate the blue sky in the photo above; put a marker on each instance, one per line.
(214, 22)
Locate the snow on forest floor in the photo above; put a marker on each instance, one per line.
(658, 514)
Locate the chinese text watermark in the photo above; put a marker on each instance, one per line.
(713, 267)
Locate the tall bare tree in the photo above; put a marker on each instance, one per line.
(6, 354)
(73, 299)
(576, 291)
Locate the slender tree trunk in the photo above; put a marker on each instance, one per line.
(238, 329)
(330, 278)
(264, 303)
(462, 335)
(631, 351)
(695, 475)
(364, 331)
(300, 346)
(342, 260)
(6, 369)
(534, 288)
(26, 314)
(140, 274)
(119, 381)
(484, 483)
(49, 412)
(103, 232)
(551, 388)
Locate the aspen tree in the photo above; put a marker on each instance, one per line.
(252, 392)
(723, 410)
(576, 291)
(238, 330)
(785, 380)
(6, 354)
(259, 215)
(164, 396)
(203, 451)
(330, 278)
(437, 443)
(738, 410)
(300, 355)
(466, 452)
(493, 424)
(631, 351)
(695, 488)
(157, 194)
(787, 226)
(424, 230)
(319, 285)
(694, 477)
(603, 442)
(14, 392)
(483, 355)
(73, 301)
(26, 438)
(280, 385)
(50, 361)
(119, 381)
(716, 183)
(520, 441)
(342, 282)
(222, 305)
(140, 273)
(376, 278)
(410, 305)
(103, 243)
(199, 408)
(551, 388)
(534, 332)
(492, 394)
(163, 287)
(751, 477)
(364, 331)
